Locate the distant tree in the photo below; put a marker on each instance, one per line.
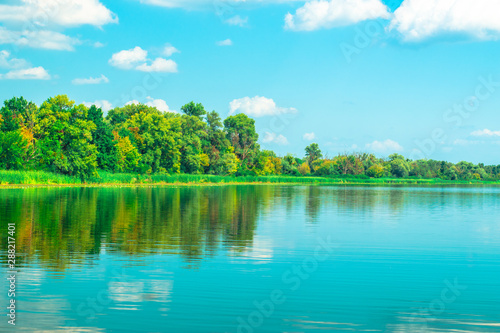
(313, 153)
(102, 138)
(64, 137)
(290, 165)
(128, 157)
(216, 143)
(399, 166)
(241, 133)
(16, 114)
(375, 171)
(13, 150)
(195, 110)
(304, 169)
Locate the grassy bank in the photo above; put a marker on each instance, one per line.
(47, 178)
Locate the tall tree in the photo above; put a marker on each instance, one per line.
(64, 137)
(102, 138)
(313, 153)
(193, 109)
(240, 131)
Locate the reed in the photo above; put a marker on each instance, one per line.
(49, 178)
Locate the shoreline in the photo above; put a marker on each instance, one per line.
(390, 183)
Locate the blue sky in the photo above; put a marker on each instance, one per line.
(416, 77)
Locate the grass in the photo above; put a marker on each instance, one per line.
(106, 178)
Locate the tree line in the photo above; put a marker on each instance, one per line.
(63, 137)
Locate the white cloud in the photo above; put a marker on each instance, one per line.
(462, 142)
(169, 50)
(160, 104)
(237, 20)
(34, 73)
(228, 5)
(91, 80)
(226, 42)
(128, 59)
(486, 132)
(11, 63)
(103, 104)
(309, 136)
(98, 45)
(387, 146)
(159, 65)
(20, 69)
(419, 19)
(275, 138)
(41, 39)
(258, 107)
(137, 58)
(38, 23)
(323, 14)
(67, 13)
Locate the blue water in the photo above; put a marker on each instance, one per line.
(254, 259)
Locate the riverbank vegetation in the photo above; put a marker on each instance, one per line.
(60, 142)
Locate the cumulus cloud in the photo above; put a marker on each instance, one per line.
(34, 73)
(419, 19)
(486, 132)
(323, 14)
(128, 59)
(237, 20)
(226, 42)
(275, 138)
(309, 136)
(258, 107)
(160, 104)
(137, 59)
(387, 146)
(67, 13)
(228, 5)
(20, 69)
(159, 65)
(38, 23)
(6, 61)
(91, 80)
(169, 50)
(39, 39)
(103, 104)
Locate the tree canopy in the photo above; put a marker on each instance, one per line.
(76, 140)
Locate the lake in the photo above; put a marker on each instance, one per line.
(254, 259)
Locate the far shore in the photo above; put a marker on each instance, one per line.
(334, 182)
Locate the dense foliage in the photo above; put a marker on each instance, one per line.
(73, 140)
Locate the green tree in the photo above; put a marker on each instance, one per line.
(241, 133)
(13, 150)
(102, 138)
(156, 140)
(216, 144)
(400, 167)
(313, 153)
(17, 113)
(195, 110)
(375, 171)
(64, 137)
(194, 133)
(128, 157)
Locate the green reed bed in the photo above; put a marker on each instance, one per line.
(107, 178)
(35, 178)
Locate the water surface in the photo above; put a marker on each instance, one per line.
(255, 259)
